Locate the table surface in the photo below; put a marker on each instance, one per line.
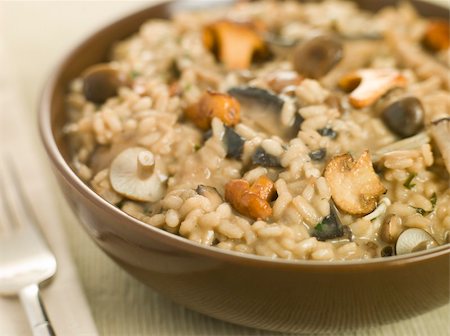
(37, 34)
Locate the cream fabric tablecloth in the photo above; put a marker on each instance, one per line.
(37, 35)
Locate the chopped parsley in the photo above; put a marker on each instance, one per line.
(408, 183)
(134, 74)
(197, 147)
(433, 201)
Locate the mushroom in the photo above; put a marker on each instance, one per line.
(355, 187)
(251, 201)
(440, 131)
(233, 142)
(235, 44)
(414, 240)
(262, 110)
(391, 229)
(437, 35)
(101, 82)
(315, 57)
(404, 117)
(318, 155)
(262, 158)
(281, 81)
(138, 175)
(413, 142)
(210, 193)
(331, 226)
(368, 85)
(214, 104)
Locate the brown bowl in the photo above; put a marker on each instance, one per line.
(290, 296)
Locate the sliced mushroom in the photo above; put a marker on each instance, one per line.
(437, 35)
(413, 142)
(414, 240)
(368, 85)
(233, 142)
(214, 104)
(262, 109)
(101, 82)
(235, 44)
(331, 226)
(440, 131)
(355, 187)
(404, 117)
(138, 175)
(210, 193)
(315, 57)
(318, 155)
(328, 132)
(261, 158)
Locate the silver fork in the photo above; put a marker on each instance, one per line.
(25, 259)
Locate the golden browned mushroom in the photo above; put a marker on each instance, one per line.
(138, 175)
(234, 43)
(437, 35)
(355, 187)
(368, 85)
(214, 104)
(391, 229)
(251, 201)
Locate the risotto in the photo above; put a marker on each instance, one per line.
(287, 130)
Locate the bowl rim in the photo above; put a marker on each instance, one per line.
(65, 171)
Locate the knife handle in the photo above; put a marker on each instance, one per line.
(35, 311)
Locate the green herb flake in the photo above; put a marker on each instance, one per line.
(422, 211)
(319, 227)
(197, 147)
(408, 184)
(433, 200)
(134, 74)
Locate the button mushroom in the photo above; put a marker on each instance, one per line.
(391, 229)
(355, 187)
(101, 82)
(414, 240)
(262, 109)
(235, 44)
(315, 57)
(437, 35)
(404, 117)
(368, 85)
(440, 131)
(214, 104)
(138, 175)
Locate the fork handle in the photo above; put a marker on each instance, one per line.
(35, 311)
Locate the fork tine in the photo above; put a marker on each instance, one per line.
(14, 198)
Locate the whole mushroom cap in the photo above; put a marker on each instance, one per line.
(138, 175)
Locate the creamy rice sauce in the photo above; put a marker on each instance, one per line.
(287, 130)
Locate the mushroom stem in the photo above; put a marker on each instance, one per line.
(145, 164)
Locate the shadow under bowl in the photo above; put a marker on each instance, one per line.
(278, 295)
